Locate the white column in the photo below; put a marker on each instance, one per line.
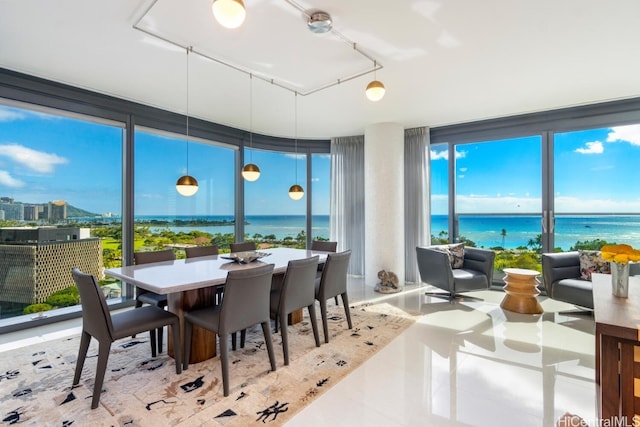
(384, 200)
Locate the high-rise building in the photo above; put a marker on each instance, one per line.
(57, 210)
(36, 262)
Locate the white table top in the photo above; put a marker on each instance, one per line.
(193, 273)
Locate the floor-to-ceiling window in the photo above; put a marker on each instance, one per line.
(321, 189)
(272, 218)
(60, 205)
(543, 182)
(595, 187)
(103, 170)
(163, 217)
(439, 179)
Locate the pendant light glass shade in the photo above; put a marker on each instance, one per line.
(229, 13)
(375, 90)
(296, 192)
(187, 185)
(251, 172)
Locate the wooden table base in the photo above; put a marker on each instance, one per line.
(521, 291)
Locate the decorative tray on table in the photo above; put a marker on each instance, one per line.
(245, 257)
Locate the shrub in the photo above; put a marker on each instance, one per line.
(36, 308)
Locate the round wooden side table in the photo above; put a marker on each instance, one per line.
(521, 291)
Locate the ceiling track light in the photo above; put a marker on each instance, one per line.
(229, 13)
(319, 22)
(250, 171)
(375, 89)
(186, 184)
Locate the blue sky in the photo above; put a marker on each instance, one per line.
(46, 157)
(596, 171)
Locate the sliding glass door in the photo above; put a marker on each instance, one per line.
(595, 181)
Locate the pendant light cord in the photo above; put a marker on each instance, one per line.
(250, 117)
(188, 50)
(295, 115)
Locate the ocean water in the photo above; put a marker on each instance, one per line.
(484, 230)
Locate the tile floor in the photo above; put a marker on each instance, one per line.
(467, 363)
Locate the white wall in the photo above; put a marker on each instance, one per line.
(384, 200)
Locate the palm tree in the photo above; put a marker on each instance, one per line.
(503, 233)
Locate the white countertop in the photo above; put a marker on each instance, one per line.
(187, 274)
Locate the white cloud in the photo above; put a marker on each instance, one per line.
(9, 115)
(8, 181)
(594, 147)
(35, 160)
(444, 154)
(463, 169)
(630, 134)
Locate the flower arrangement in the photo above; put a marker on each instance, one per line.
(622, 254)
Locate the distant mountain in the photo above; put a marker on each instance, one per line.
(73, 212)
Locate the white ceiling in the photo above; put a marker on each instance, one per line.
(444, 62)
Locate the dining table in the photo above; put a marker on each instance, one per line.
(193, 282)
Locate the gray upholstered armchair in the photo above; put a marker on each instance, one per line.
(435, 269)
(561, 278)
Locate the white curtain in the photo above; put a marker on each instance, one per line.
(417, 200)
(347, 198)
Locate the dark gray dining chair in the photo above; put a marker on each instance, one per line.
(242, 247)
(198, 251)
(326, 246)
(144, 296)
(297, 291)
(245, 303)
(332, 283)
(97, 322)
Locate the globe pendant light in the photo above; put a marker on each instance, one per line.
(250, 171)
(229, 13)
(375, 89)
(187, 185)
(296, 192)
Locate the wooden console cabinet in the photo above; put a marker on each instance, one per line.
(617, 350)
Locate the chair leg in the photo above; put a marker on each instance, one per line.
(267, 339)
(285, 337)
(152, 341)
(103, 356)
(314, 323)
(188, 330)
(160, 336)
(177, 351)
(276, 322)
(224, 360)
(336, 299)
(85, 339)
(345, 302)
(138, 305)
(243, 336)
(323, 314)
(233, 341)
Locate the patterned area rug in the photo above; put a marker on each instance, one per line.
(35, 382)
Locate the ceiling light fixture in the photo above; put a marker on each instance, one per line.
(187, 185)
(250, 171)
(296, 192)
(375, 89)
(229, 13)
(319, 22)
